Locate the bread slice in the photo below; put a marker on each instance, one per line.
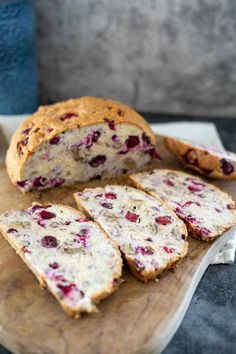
(209, 161)
(206, 210)
(79, 140)
(68, 253)
(150, 236)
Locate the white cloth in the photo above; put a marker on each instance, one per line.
(201, 133)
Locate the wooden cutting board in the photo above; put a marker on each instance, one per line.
(138, 318)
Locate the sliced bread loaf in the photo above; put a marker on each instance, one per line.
(68, 253)
(79, 140)
(151, 237)
(206, 210)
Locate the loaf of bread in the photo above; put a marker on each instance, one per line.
(206, 210)
(68, 253)
(209, 161)
(79, 140)
(150, 235)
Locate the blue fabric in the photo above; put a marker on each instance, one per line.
(18, 66)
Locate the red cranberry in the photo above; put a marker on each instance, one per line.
(111, 195)
(68, 116)
(54, 265)
(97, 161)
(81, 220)
(45, 215)
(226, 167)
(67, 223)
(191, 203)
(57, 181)
(26, 131)
(55, 140)
(106, 205)
(132, 141)
(95, 136)
(49, 130)
(149, 239)
(111, 123)
(132, 217)
(114, 137)
(21, 184)
(49, 242)
(168, 182)
(66, 289)
(153, 154)
(145, 251)
(41, 223)
(139, 265)
(38, 206)
(194, 189)
(39, 182)
(163, 220)
(167, 249)
(229, 206)
(25, 141)
(11, 231)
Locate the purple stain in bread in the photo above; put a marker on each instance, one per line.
(49, 130)
(145, 251)
(39, 182)
(57, 181)
(168, 182)
(46, 215)
(11, 231)
(111, 124)
(167, 249)
(54, 265)
(183, 237)
(203, 231)
(38, 206)
(149, 239)
(68, 116)
(66, 289)
(21, 184)
(106, 205)
(41, 223)
(110, 195)
(55, 140)
(97, 161)
(132, 141)
(26, 131)
(226, 167)
(25, 249)
(115, 138)
(49, 241)
(163, 220)
(81, 219)
(153, 154)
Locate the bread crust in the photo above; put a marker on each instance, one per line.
(88, 111)
(110, 289)
(205, 161)
(190, 229)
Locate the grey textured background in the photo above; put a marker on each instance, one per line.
(174, 56)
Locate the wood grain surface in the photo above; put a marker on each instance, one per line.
(138, 318)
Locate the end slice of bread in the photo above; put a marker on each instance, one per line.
(207, 211)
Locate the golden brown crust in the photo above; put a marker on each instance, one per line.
(205, 161)
(37, 128)
(147, 275)
(190, 229)
(111, 288)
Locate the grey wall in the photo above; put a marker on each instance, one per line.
(176, 56)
